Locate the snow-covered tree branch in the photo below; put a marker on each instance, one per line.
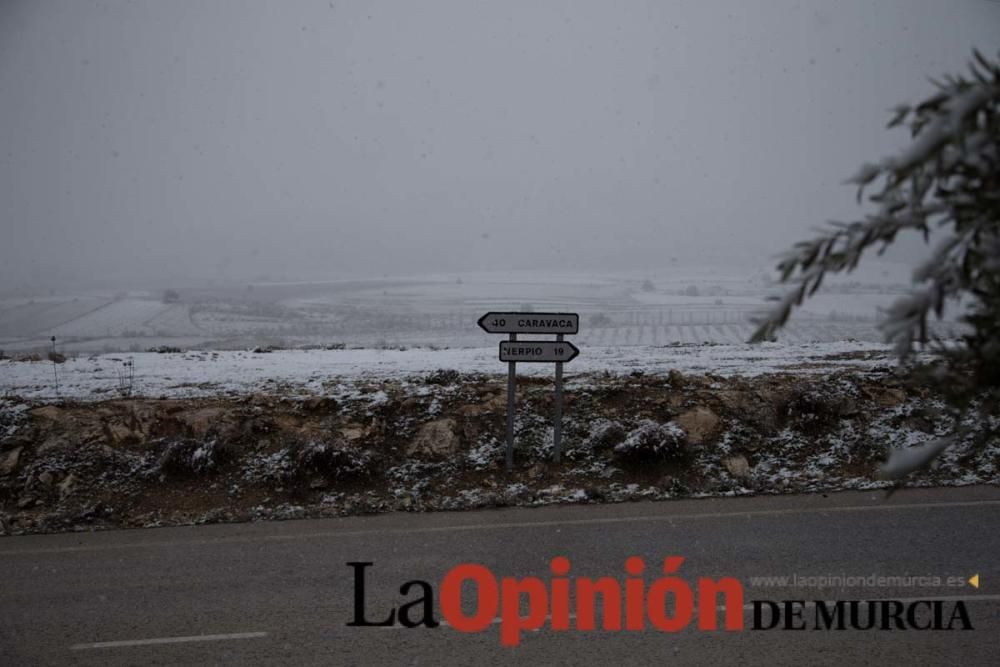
(945, 183)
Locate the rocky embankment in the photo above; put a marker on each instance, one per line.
(435, 442)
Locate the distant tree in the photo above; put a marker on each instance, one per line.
(648, 286)
(691, 290)
(171, 296)
(946, 180)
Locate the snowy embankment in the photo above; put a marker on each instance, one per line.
(228, 436)
(227, 373)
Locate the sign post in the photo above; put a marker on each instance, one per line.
(511, 389)
(557, 417)
(533, 351)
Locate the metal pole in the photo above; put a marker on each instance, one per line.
(557, 418)
(511, 381)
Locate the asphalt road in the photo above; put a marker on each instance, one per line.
(281, 593)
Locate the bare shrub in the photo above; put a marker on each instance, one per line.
(181, 458)
(651, 441)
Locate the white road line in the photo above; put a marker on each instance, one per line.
(747, 514)
(168, 640)
(808, 603)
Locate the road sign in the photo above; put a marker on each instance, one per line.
(533, 351)
(533, 323)
(537, 351)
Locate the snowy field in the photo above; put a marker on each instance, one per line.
(675, 305)
(317, 371)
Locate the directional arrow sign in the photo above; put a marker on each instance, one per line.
(535, 323)
(537, 351)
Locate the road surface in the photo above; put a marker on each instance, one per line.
(281, 593)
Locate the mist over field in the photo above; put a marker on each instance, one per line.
(151, 143)
(630, 153)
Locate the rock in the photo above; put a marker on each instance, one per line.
(435, 440)
(67, 486)
(536, 471)
(52, 444)
(90, 434)
(666, 482)
(318, 483)
(918, 423)
(120, 434)
(353, 432)
(201, 422)
(141, 421)
(733, 400)
(320, 405)
(472, 409)
(700, 424)
(46, 478)
(471, 430)
(737, 466)
(890, 398)
(9, 461)
(25, 502)
(260, 399)
(50, 412)
(848, 407)
(486, 405)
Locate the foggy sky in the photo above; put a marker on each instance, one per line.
(152, 142)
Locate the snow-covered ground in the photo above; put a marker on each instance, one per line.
(312, 371)
(678, 304)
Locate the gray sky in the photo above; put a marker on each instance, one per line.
(151, 142)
